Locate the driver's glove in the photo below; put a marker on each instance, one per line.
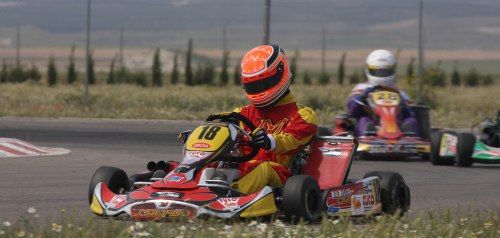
(262, 140)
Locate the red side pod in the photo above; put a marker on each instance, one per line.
(330, 160)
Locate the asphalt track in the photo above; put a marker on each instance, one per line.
(52, 183)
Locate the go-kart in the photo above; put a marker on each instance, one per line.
(386, 138)
(480, 145)
(200, 185)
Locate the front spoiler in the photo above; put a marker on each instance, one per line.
(403, 147)
(160, 209)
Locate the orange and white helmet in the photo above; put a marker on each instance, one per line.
(265, 75)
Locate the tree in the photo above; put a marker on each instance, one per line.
(455, 76)
(307, 78)
(174, 76)
(90, 69)
(111, 74)
(34, 73)
(51, 72)
(71, 66)
(123, 75)
(293, 66)
(410, 72)
(156, 69)
(188, 72)
(224, 75)
(4, 74)
(341, 70)
(237, 74)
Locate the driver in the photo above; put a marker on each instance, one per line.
(380, 70)
(284, 127)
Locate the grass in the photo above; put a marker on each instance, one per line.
(432, 224)
(452, 106)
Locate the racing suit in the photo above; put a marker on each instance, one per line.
(407, 119)
(290, 127)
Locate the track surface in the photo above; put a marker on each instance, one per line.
(51, 183)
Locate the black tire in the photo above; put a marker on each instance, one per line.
(465, 147)
(115, 178)
(423, 120)
(436, 159)
(324, 131)
(301, 199)
(395, 194)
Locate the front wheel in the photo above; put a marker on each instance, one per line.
(395, 194)
(115, 178)
(465, 148)
(301, 199)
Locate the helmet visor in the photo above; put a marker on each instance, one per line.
(264, 84)
(381, 72)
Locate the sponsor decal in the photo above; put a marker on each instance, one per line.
(229, 204)
(273, 128)
(331, 152)
(117, 199)
(174, 178)
(332, 210)
(174, 195)
(393, 148)
(369, 199)
(202, 145)
(448, 145)
(198, 154)
(159, 213)
(357, 206)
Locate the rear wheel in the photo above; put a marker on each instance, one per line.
(395, 194)
(301, 199)
(115, 178)
(465, 147)
(436, 159)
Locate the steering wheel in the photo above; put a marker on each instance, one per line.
(236, 118)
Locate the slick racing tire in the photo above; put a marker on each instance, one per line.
(115, 178)
(394, 193)
(324, 131)
(301, 199)
(465, 147)
(436, 159)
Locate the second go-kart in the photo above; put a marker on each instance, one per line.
(199, 186)
(388, 140)
(465, 148)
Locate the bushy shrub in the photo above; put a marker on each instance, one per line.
(188, 71)
(34, 74)
(455, 77)
(410, 72)
(90, 70)
(139, 78)
(293, 66)
(355, 77)
(472, 77)
(435, 76)
(324, 78)
(4, 73)
(488, 79)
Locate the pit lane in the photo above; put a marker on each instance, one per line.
(52, 183)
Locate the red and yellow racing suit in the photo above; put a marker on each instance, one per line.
(291, 126)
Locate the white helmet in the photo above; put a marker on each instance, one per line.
(380, 68)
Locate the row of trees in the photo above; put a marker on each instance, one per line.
(436, 76)
(205, 73)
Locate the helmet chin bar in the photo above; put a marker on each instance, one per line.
(385, 81)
